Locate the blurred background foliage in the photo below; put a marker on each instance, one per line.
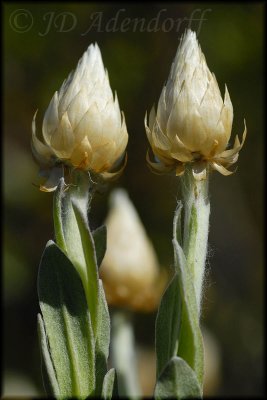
(36, 62)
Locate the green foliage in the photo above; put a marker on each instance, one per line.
(110, 386)
(74, 328)
(168, 324)
(90, 267)
(48, 371)
(100, 239)
(67, 324)
(102, 339)
(178, 330)
(73, 235)
(177, 380)
(190, 338)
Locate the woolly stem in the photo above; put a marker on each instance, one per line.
(196, 228)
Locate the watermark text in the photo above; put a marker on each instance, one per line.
(22, 21)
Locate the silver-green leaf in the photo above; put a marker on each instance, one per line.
(48, 371)
(91, 282)
(178, 381)
(110, 389)
(67, 324)
(100, 240)
(168, 324)
(102, 339)
(190, 338)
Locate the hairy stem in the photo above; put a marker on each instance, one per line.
(196, 228)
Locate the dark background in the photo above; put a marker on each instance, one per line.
(37, 58)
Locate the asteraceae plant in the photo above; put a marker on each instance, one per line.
(192, 123)
(84, 133)
(83, 126)
(188, 134)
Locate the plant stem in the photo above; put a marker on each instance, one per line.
(196, 227)
(124, 354)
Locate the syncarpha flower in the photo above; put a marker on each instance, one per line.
(83, 126)
(192, 123)
(130, 271)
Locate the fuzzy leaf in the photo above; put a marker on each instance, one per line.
(190, 340)
(168, 324)
(100, 239)
(48, 371)
(74, 237)
(102, 339)
(91, 282)
(67, 323)
(57, 215)
(110, 386)
(177, 380)
(177, 326)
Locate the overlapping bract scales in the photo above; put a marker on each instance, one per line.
(83, 125)
(192, 122)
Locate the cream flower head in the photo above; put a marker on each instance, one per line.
(130, 271)
(83, 126)
(192, 123)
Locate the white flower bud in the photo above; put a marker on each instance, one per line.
(130, 271)
(83, 126)
(192, 123)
